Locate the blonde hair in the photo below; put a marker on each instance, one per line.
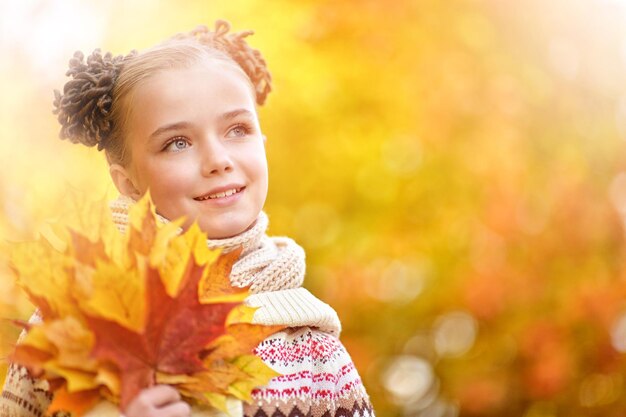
(95, 106)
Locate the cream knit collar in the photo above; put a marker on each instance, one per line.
(266, 263)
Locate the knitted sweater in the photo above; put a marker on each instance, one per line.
(318, 378)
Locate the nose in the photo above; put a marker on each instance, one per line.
(215, 156)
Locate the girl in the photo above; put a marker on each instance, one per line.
(179, 119)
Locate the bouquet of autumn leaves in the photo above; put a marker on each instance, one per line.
(122, 312)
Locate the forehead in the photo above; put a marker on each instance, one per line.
(198, 92)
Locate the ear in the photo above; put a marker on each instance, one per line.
(123, 182)
(264, 139)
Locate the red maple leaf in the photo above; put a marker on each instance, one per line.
(176, 332)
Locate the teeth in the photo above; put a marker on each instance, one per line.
(220, 195)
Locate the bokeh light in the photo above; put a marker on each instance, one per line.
(454, 333)
(409, 380)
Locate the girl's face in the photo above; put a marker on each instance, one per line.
(196, 145)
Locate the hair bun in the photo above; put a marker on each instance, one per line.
(85, 104)
(235, 46)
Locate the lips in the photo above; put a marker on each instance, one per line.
(221, 192)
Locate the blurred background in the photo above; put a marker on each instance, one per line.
(456, 171)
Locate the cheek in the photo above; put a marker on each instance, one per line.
(165, 179)
(262, 178)
(258, 167)
(257, 159)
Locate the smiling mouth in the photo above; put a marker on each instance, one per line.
(222, 194)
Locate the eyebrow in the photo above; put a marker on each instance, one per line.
(167, 128)
(232, 114)
(182, 125)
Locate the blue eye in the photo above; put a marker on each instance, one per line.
(239, 131)
(177, 144)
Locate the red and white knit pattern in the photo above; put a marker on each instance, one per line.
(318, 377)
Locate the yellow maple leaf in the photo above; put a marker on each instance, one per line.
(258, 374)
(116, 294)
(42, 272)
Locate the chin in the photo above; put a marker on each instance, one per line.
(223, 231)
